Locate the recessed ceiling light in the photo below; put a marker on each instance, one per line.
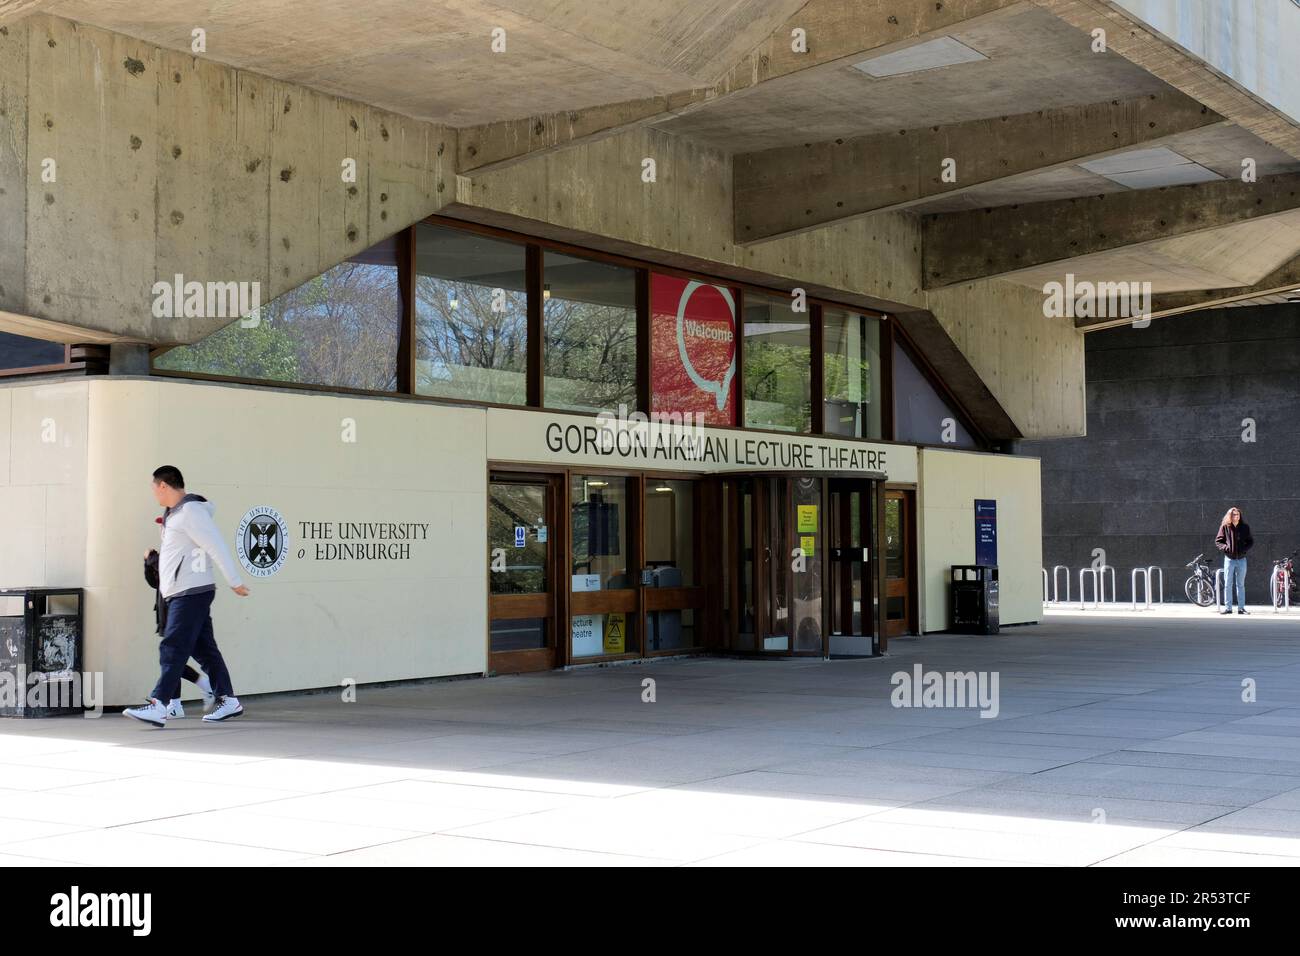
(1150, 168)
(930, 55)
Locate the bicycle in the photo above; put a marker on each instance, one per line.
(1279, 565)
(1200, 586)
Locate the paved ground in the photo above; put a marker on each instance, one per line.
(1137, 722)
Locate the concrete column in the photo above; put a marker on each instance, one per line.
(128, 358)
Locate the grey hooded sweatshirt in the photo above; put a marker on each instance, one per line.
(191, 541)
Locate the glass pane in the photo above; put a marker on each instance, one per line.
(610, 633)
(692, 349)
(806, 578)
(602, 552)
(670, 532)
(525, 634)
(471, 317)
(778, 365)
(852, 373)
(670, 630)
(896, 608)
(894, 538)
(518, 539)
(590, 334)
(340, 329)
(779, 547)
(855, 569)
(747, 567)
(920, 414)
(18, 351)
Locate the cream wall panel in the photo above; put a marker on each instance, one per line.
(43, 453)
(22, 556)
(950, 483)
(316, 621)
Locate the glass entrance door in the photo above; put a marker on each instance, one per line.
(521, 573)
(850, 590)
(772, 531)
(900, 559)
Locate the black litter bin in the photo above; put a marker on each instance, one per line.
(974, 600)
(41, 644)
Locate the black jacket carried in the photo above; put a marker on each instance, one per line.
(1234, 540)
(151, 579)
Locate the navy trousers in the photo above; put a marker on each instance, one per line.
(189, 634)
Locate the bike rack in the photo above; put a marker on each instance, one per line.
(1056, 590)
(1280, 578)
(1114, 588)
(1146, 582)
(1045, 601)
(1160, 576)
(1096, 588)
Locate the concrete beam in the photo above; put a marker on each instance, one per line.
(1135, 41)
(784, 191)
(168, 164)
(1282, 280)
(835, 30)
(983, 243)
(494, 145)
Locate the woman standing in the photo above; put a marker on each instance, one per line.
(1234, 541)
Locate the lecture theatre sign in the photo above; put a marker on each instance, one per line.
(520, 436)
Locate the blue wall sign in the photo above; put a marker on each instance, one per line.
(986, 531)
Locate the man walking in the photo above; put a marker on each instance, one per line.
(189, 538)
(1234, 541)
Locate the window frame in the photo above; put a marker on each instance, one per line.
(535, 247)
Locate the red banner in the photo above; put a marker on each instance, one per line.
(692, 349)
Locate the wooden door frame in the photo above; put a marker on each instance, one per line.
(554, 604)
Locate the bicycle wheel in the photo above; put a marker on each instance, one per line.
(1199, 591)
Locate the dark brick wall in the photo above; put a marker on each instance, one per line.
(1164, 457)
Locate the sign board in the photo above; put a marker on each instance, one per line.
(693, 348)
(603, 441)
(616, 633)
(986, 531)
(807, 518)
(588, 634)
(521, 536)
(808, 542)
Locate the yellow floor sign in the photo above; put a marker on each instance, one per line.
(615, 633)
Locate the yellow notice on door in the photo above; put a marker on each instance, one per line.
(808, 543)
(807, 518)
(615, 633)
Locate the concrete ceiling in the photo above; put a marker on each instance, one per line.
(1236, 255)
(1035, 61)
(432, 59)
(1217, 148)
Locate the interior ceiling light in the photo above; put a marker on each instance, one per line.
(930, 55)
(1150, 168)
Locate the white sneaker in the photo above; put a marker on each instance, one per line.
(205, 688)
(153, 712)
(175, 710)
(227, 707)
